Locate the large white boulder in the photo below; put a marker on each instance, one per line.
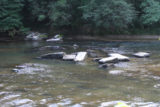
(108, 60)
(56, 38)
(119, 57)
(141, 54)
(80, 56)
(53, 39)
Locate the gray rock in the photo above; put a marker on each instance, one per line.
(75, 46)
(16, 70)
(142, 54)
(69, 57)
(56, 55)
(35, 36)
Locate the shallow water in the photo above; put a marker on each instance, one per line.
(54, 83)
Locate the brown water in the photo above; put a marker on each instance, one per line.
(55, 83)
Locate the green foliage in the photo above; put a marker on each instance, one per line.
(43, 36)
(109, 14)
(38, 9)
(80, 16)
(151, 12)
(41, 17)
(10, 16)
(59, 13)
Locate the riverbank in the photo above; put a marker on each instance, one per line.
(97, 38)
(116, 37)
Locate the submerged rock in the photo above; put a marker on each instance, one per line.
(52, 48)
(96, 59)
(116, 72)
(35, 36)
(30, 68)
(106, 65)
(56, 55)
(56, 38)
(80, 56)
(69, 57)
(119, 57)
(142, 54)
(75, 46)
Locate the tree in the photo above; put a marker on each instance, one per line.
(151, 12)
(109, 14)
(10, 17)
(59, 13)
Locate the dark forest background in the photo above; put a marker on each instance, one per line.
(94, 17)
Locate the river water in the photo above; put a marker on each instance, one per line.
(56, 83)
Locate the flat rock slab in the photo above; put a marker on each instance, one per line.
(69, 57)
(56, 55)
(141, 54)
(119, 57)
(108, 60)
(54, 40)
(80, 56)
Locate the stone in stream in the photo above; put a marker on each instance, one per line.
(52, 48)
(56, 38)
(80, 56)
(119, 57)
(106, 65)
(96, 59)
(56, 55)
(116, 72)
(35, 36)
(108, 60)
(75, 46)
(141, 54)
(92, 53)
(69, 57)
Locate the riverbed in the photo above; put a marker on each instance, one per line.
(59, 83)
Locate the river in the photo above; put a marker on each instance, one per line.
(57, 83)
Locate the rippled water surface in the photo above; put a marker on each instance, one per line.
(56, 83)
